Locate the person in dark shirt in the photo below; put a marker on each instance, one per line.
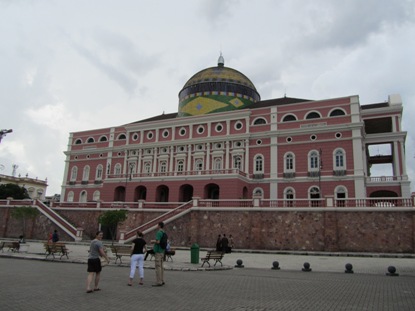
(225, 243)
(55, 236)
(138, 249)
(219, 243)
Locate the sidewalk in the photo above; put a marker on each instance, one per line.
(288, 261)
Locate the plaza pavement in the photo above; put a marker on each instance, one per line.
(38, 283)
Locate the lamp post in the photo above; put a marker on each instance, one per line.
(128, 177)
(4, 132)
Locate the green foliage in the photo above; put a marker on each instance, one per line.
(14, 191)
(111, 219)
(23, 213)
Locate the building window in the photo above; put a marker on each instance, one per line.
(239, 125)
(313, 115)
(339, 159)
(96, 196)
(260, 121)
(74, 173)
(289, 197)
(117, 169)
(163, 167)
(337, 112)
(259, 164)
(166, 133)
(341, 196)
(147, 167)
(98, 172)
(78, 141)
(289, 118)
(135, 136)
(237, 162)
(217, 165)
(85, 175)
(289, 162)
(150, 135)
(219, 128)
(313, 161)
(199, 165)
(180, 166)
(182, 131)
(70, 196)
(200, 129)
(103, 138)
(90, 140)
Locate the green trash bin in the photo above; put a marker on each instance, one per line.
(194, 253)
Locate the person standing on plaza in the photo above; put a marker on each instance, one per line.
(96, 250)
(138, 249)
(219, 243)
(231, 244)
(225, 243)
(55, 236)
(158, 255)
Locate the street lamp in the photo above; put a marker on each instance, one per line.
(4, 132)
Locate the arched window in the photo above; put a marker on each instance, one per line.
(147, 167)
(85, 175)
(289, 117)
(217, 165)
(70, 196)
(237, 162)
(117, 169)
(314, 196)
(339, 159)
(103, 138)
(180, 166)
(313, 115)
(98, 172)
(258, 164)
(289, 164)
(199, 165)
(78, 141)
(313, 161)
(122, 137)
(260, 121)
(341, 196)
(163, 167)
(83, 196)
(337, 112)
(90, 140)
(289, 197)
(96, 196)
(258, 192)
(74, 173)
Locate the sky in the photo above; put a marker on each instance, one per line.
(74, 65)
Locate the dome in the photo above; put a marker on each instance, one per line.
(216, 89)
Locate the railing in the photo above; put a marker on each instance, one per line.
(385, 179)
(151, 225)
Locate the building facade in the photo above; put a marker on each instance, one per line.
(226, 143)
(35, 187)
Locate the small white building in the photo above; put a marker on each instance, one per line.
(36, 188)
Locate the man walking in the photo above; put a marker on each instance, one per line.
(158, 255)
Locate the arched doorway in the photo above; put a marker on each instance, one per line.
(140, 193)
(119, 194)
(162, 194)
(245, 193)
(212, 192)
(83, 197)
(314, 196)
(185, 193)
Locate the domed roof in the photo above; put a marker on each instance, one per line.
(216, 89)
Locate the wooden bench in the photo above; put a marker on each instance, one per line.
(213, 255)
(11, 246)
(120, 250)
(56, 248)
(167, 254)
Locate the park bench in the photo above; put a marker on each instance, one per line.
(213, 255)
(167, 254)
(120, 250)
(11, 246)
(56, 248)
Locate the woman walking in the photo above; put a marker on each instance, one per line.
(96, 250)
(138, 249)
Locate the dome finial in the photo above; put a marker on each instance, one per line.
(221, 60)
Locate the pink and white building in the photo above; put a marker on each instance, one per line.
(226, 143)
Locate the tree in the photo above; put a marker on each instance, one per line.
(111, 219)
(14, 191)
(24, 213)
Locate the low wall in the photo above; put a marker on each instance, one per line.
(387, 230)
